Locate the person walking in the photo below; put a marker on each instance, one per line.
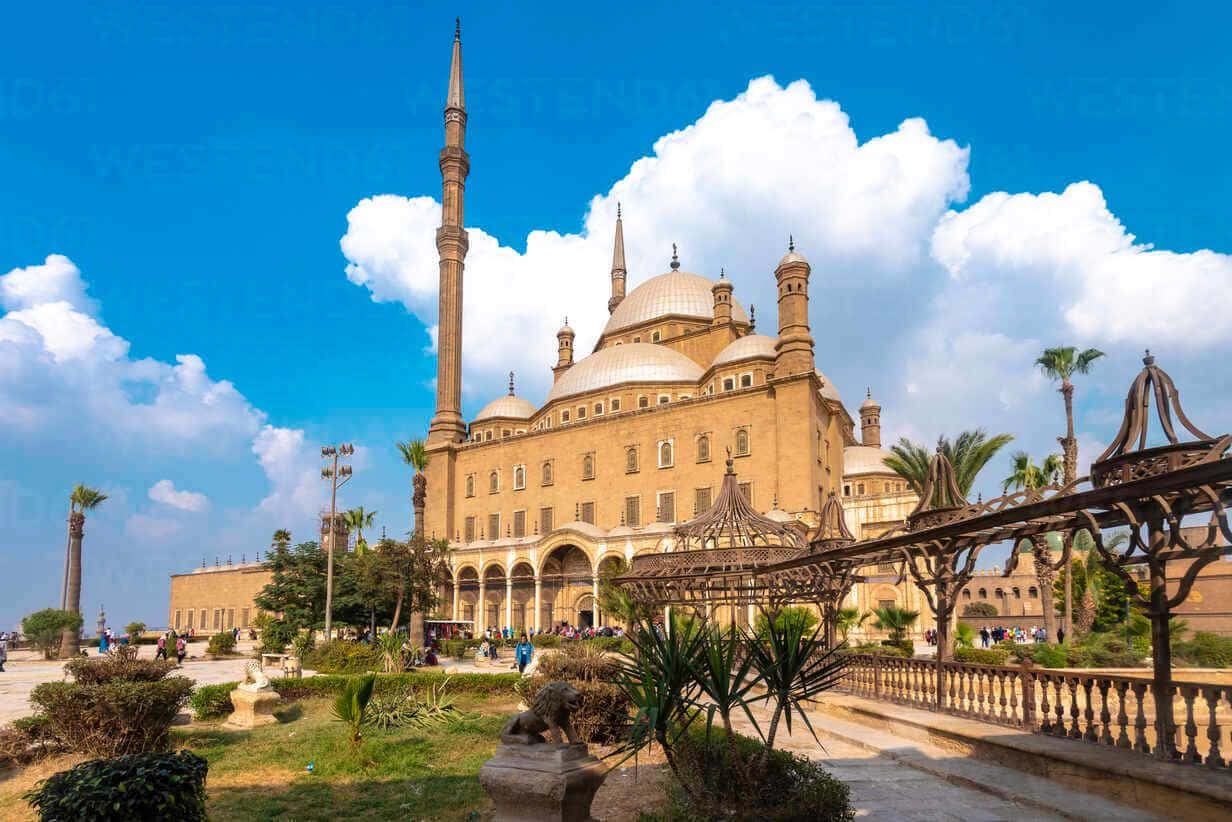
(102, 643)
(181, 650)
(4, 652)
(161, 653)
(523, 652)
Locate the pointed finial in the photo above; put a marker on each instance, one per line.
(1148, 359)
(722, 272)
(752, 317)
(511, 383)
(731, 464)
(791, 243)
(675, 259)
(457, 29)
(868, 392)
(618, 211)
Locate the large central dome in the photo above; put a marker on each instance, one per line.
(676, 292)
(635, 362)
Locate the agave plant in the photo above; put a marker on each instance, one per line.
(390, 645)
(351, 705)
(722, 673)
(793, 665)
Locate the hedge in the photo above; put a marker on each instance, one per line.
(137, 787)
(981, 656)
(462, 648)
(112, 718)
(213, 701)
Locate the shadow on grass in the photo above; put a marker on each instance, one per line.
(289, 714)
(308, 799)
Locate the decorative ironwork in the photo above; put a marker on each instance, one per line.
(941, 501)
(832, 532)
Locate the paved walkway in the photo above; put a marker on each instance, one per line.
(893, 779)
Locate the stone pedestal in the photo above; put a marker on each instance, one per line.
(253, 708)
(544, 781)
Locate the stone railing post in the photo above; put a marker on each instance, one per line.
(877, 676)
(1027, 676)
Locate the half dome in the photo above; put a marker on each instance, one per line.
(751, 346)
(506, 407)
(680, 293)
(827, 388)
(620, 364)
(864, 459)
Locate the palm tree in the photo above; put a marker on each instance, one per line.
(359, 519)
(83, 499)
(968, 453)
(1026, 474)
(281, 540)
(895, 620)
(415, 454)
(1061, 363)
(849, 618)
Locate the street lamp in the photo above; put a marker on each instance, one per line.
(333, 473)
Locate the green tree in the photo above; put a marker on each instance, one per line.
(83, 499)
(1107, 588)
(968, 453)
(134, 631)
(847, 619)
(615, 601)
(1061, 363)
(281, 539)
(895, 620)
(46, 628)
(979, 609)
(964, 635)
(1025, 474)
(359, 519)
(795, 613)
(297, 589)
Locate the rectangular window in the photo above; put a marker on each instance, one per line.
(701, 500)
(218, 619)
(633, 512)
(588, 512)
(643, 401)
(191, 614)
(545, 521)
(664, 399)
(581, 412)
(230, 618)
(667, 506)
(728, 383)
(614, 403)
(519, 523)
(746, 491)
(493, 526)
(746, 380)
(469, 532)
(244, 618)
(177, 620)
(203, 612)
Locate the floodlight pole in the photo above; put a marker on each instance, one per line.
(332, 475)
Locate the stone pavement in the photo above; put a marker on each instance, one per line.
(893, 779)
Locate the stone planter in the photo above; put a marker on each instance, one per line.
(542, 782)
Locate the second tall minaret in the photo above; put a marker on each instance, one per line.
(618, 266)
(451, 245)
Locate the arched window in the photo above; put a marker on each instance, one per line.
(654, 337)
(643, 401)
(1000, 594)
(742, 442)
(665, 454)
(966, 594)
(983, 593)
(1032, 592)
(631, 459)
(519, 477)
(703, 449)
(470, 485)
(1017, 593)
(547, 473)
(493, 482)
(588, 467)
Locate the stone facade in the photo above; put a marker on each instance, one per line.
(218, 598)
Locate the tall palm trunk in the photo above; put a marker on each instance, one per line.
(1046, 576)
(418, 500)
(70, 641)
(68, 541)
(1070, 458)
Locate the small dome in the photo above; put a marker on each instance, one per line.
(863, 459)
(869, 402)
(752, 346)
(635, 362)
(792, 256)
(827, 388)
(506, 407)
(565, 329)
(676, 292)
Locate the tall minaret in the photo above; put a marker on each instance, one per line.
(451, 245)
(618, 265)
(794, 349)
(870, 421)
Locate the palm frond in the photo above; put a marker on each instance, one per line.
(414, 453)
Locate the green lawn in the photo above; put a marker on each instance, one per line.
(403, 773)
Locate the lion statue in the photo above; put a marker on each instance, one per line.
(550, 711)
(254, 677)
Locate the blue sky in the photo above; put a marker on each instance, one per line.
(195, 168)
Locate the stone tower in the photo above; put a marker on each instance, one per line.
(794, 349)
(564, 348)
(722, 291)
(618, 266)
(870, 421)
(451, 245)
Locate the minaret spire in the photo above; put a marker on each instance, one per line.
(451, 245)
(618, 265)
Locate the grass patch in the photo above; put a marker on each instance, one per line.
(406, 773)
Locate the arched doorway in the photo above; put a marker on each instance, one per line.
(565, 575)
(494, 598)
(585, 611)
(522, 616)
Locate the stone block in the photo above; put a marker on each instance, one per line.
(542, 782)
(253, 708)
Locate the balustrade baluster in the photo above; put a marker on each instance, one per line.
(1189, 693)
(1014, 717)
(1140, 743)
(1075, 729)
(1122, 740)
(1002, 712)
(952, 675)
(1058, 725)
(1213, 757)
(1045, 715)
(1105, 717)
(978, 676)
(969, 702)
(1089, 711)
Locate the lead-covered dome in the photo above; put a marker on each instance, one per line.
(677, 292)
(506, 407)
(864, 459)
(635, 362)
(751, 346)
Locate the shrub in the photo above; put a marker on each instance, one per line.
(328, 685)
(732, 780)
(45, 628)
(134, 631)
(1205, 650)
(807, 617)
(112, 718)
(302, 644)
(603, 707)
(25, 740)
(120, 664)
(877, 648)
(981, 656)
(343, 658)
(221, 643)
(1106, 650)
(979, 609)
(212, 701)
(275, 637)
(546, 641)
(138, 787)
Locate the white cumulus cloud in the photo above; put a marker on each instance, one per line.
(164, 491)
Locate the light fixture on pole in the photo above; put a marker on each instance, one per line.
(338, 475)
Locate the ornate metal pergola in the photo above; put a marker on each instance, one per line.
(1148, 491)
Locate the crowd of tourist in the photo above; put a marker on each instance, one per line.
(1003, 633)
